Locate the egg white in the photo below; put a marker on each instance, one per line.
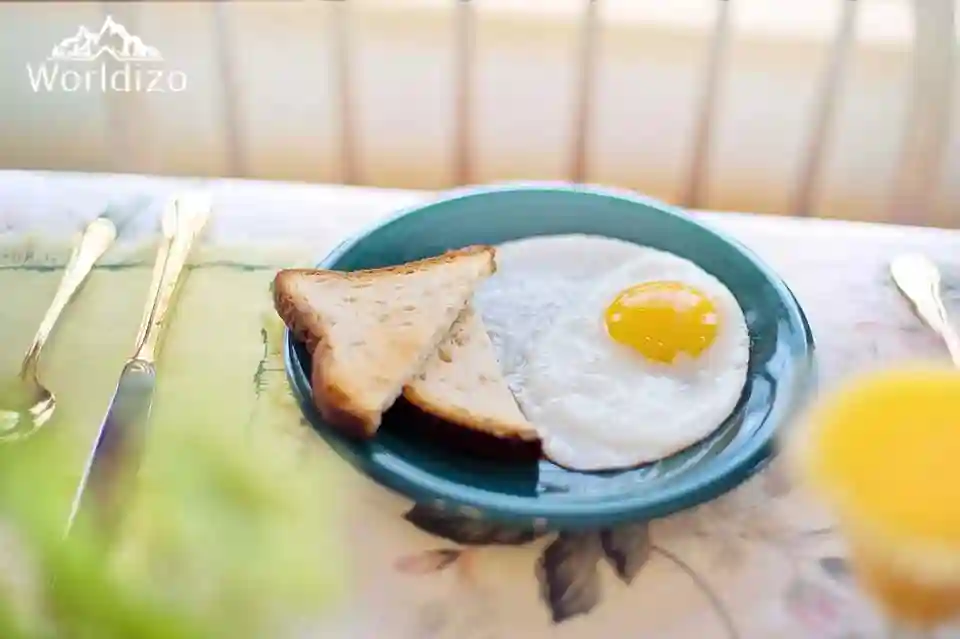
(598, 404)
(536, 279)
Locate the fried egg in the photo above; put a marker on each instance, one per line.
(617, 361)
(536, 279)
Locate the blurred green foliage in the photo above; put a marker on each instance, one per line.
(227, 537)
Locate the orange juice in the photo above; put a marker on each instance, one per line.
(885, 454)
(905, 592)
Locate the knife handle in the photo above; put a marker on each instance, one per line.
(183, 221)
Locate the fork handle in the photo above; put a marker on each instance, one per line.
(96, 239)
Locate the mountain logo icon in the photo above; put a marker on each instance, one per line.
(112, 39)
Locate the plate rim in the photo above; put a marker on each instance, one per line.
(474, 502)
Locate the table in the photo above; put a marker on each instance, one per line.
(760, 562)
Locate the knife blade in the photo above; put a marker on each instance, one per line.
(109, 475)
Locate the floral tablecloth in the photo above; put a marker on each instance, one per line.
(760, 562)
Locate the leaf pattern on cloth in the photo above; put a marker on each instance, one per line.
(814, 607)
(715, 602)
(427, 562)
(467, 531)
(568, 575)
(275, 399)
(627, 549)
(837, 567)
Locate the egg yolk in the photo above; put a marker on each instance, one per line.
(662, 319)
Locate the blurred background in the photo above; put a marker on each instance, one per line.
(830, 108)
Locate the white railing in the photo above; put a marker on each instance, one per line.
(839, 108)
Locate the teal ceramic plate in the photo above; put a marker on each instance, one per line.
(543, 494)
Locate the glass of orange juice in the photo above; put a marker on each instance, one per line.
(884, 453)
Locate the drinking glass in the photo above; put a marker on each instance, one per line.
(916, 590)
(883, 452)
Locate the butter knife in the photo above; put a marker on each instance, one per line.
(111, 467)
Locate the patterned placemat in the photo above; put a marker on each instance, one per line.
(760, 562)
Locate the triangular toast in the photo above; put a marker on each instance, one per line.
(372, 331)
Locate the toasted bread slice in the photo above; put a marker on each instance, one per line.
(462, 384)
(372, 331)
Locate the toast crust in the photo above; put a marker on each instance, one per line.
(335, 403)
(465, 419)
(398, 269)
(436, 431)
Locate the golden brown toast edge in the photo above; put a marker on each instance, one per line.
(462, 418)
(414, 422)
(335, 405)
